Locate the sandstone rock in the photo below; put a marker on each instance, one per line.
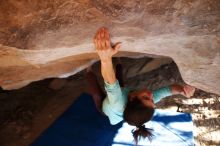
(41, 39)
(146, 66)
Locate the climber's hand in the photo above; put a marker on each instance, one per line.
(188, 90)
(103, 44)
(185, 90)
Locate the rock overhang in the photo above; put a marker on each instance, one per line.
(45, 39)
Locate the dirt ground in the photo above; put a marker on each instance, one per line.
(26, 112)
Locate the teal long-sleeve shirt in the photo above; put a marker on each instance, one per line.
(114, 104)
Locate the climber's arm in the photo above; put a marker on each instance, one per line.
(108, 72)
(185, 90)
(105, 52)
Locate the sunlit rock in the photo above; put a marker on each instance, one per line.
(42, 39)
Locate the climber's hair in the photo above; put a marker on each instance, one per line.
(136, 114)
(142, 132)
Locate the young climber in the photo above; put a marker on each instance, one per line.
(134, 107)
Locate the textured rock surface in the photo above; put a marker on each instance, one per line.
(42, 39)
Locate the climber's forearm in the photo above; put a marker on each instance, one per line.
(107, 70)
(177, 89)
(185, 90)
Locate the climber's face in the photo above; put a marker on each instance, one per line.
(144, 95)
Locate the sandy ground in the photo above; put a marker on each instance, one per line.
(26, 112)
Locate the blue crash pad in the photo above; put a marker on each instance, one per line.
(82, 125)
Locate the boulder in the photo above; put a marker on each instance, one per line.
(41, 39)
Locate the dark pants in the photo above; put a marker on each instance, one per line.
(95, 89)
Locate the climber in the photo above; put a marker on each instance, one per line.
(121, 103)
